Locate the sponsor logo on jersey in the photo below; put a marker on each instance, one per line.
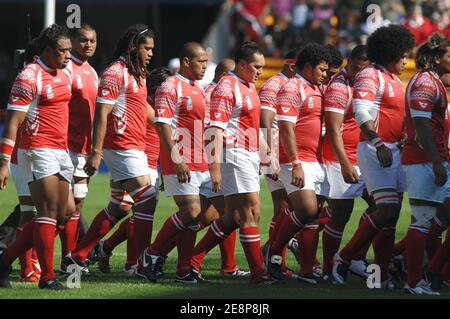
(249, 103)
(362, 94)
(285, 109)
(188, 103)
(161, 111)
(390, 90)
(14, 98)
(79, 81)
(56, 80)
(134, 85)
(49, 91)
(217, 115)
(423, 105)
(86, 72)
(105, 92)
(194, 92)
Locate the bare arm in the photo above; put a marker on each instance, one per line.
(426, 140)
(13, 121)
(333, 121)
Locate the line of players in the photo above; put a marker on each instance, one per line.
(227, 197)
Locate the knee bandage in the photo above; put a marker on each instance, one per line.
(143, 194)
(121, 197)
(28, 208)
(423, 216)
(80, 190)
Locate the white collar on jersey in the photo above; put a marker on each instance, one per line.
(44, 66)
(213, 83)
(305, 80)
(182, 78)
(77, 61)
(122, 58)
(283, 75)
(241, 80)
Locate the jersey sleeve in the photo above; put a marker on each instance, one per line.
(24, 90)
(337, 97)
(221, 104)
(268, 94)
(289, 102)
(165, 102)
(111, 83)
(421, 97)
(365, 88)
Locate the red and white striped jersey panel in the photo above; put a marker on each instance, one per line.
(208, 91)
(426, 97)
(180, 103)
(82, 106)
(44, 94)
(127, 122)
(235, 108)
(383, 94)
(338, 98)
(300, 102)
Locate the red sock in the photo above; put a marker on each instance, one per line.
(185, 247)
(171, 228)
(118, 237)
(69, 235)
(382, 247)
(21, 244)
(434, 239)
(227, 252)
(272, 225)
(279, 221)
(307, 248)
(100, 226)
(26, 265)
(416, 240)
(445, 271)
(215, 235)
(362, 252)
(250, 241)
(331, 240)
(132, 254)
(44, 242)
(324, 218)
(290, 226)
(441, 256)
(400, 246)
(143, 226)
(363, 235)
(168, 246)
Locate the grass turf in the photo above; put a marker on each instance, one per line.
(118, 285)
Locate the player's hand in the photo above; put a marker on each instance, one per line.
(298, 177)
(4, 173)
(349, 173)
(216, 177)
(183, 173)
(440, 173)
(92, 163)
(384, 155)
(274, 168)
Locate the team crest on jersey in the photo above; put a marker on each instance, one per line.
(49, 91)
(134, 85)
(188, 103)
(79, 81)
(390, 90)
(249, 102)
(310, 102)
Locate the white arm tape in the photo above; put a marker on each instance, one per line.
(362, 111)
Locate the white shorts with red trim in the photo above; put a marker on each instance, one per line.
(39, 163)
(240, 172)
(200, 184)
(377, 177)
(420, 181)
(126, 164)
(339, 189)
(22, 188)
(273, 185)
(315, 178)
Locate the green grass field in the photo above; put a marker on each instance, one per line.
(118, 285)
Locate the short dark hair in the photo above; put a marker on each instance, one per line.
(435, 46)
(246, 51)
(127, 47)
(49, 36)
(75, 32)
(336, 57)
(359, 53)
(388, 44)
(188, 50)
(313, 54)
(155, 78)
(291, 54)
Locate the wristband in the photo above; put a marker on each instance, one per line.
(6, 148)
(293, 158)
(296, 165)
(376, 142)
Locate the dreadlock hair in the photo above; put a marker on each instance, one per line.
(436, 46)
(127, 46)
